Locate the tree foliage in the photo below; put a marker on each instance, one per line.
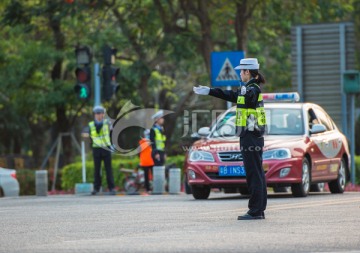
(164, 49)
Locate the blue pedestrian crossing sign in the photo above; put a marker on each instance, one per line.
(222, 68)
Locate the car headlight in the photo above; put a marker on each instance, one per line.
(191, 174)
(196, 156)
(281, 153)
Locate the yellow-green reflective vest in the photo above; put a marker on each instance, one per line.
(101, 139)
(160, 139)
(242, 113)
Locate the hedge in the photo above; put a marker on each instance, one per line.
(72, 173)
(357, 170)
(26, 179)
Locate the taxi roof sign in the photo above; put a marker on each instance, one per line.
(281, 97)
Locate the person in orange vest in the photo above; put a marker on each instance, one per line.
(146, 161)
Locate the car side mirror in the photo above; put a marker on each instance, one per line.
(317, 128)
(195, 136)
(204, 131)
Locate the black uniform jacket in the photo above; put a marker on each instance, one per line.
(251, 98)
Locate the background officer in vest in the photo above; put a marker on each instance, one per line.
(101, 145)
(158, 139)
(251, 123)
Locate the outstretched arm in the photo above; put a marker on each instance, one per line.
(227, 95)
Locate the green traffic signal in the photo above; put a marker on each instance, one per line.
(83, 85)
(83, 93)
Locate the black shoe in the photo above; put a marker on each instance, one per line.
(263, 215)
(94, 193)
(250, 217)
(112, 192)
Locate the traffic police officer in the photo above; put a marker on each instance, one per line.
(101, 145)
(158, 139)
(251, 122)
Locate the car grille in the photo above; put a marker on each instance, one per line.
(230, 156)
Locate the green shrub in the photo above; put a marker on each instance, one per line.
(26, 179)
(71, 174)
(357, 169)
(177, 160)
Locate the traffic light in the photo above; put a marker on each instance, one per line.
(110, 85)
(83, 84)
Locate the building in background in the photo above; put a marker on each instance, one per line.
(321, 53)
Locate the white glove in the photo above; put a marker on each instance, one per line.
(201, 90)
(251, 122)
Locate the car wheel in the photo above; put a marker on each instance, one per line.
(244, 191)
(302, 189)
(319, 187)
(200, 192)
(338, 185)
(280, 189)
(187, 186)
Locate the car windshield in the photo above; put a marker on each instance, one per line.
(280, 121)
(283, 121)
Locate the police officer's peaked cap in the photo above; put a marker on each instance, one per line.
(158, 115)
(98, 109)
(248, 63)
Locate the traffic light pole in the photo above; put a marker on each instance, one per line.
(97, 90)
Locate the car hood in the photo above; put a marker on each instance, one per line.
(273, 141)
(232, 144)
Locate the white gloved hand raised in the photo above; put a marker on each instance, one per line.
(201, 90)
(251, 122)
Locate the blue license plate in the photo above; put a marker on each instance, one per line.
(229, 171)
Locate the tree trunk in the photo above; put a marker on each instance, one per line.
(241, 24)
(63, 126)
(170, 124)
(37, 142)
(143, 90)
(244, 11)
(206, 44)
(62, 122)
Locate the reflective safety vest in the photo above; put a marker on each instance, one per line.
(242, 113)
(160, 139)
(145, 153)
(101, 139)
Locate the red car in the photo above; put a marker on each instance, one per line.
(303, 150)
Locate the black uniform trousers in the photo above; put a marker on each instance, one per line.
(147, 171)
(161, 161)
(100, 155)
(251, 147)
